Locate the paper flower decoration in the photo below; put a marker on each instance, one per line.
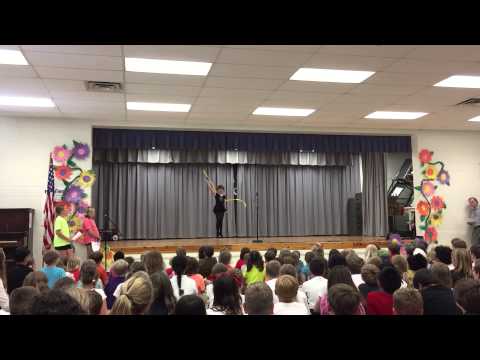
(436, 219)
(428, 188)
(423, 208)
(61, 154)
(444, 177)
(431, 172)
(431, 234)
(63, 172)
(80, 151)
(86, 179)
(74, 194)
(437, 203)
(82, 207)
(425, 156)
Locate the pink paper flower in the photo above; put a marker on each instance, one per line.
(431, 234)
(428, 188)
(61, 154)
(437, 203)
(425, 156)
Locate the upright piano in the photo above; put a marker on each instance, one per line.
(16, 229)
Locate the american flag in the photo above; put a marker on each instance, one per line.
(49, 209)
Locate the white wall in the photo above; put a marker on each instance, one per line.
(24, 148)
(458, 150)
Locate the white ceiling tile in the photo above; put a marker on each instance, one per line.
(75, 61)
(106, 50)
(393, 89)
(253, 71)
(234, 93)
(22, 87)
(155, 116)
(167, 90)
(28, 111)
(304, 99)
(446, 52)
(435, 66)
(292, 48)
(402, 78)
(311, 86)
(224, 108)
(389, 51)
(261, 57)
(16, 71)
(173, 52)
(161, 98)
(72, 96)
(79, 106)
(439, 96)
(231, 101)
(243, 83)
(349, 62)
(164, 79)
(111, 117)
(59, 85)
(79, 74)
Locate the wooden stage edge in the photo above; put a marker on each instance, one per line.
(235, 244)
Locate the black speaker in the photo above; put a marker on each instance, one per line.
(354, 215)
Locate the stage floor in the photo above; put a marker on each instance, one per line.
(235, 244)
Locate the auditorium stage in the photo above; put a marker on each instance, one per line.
(235, 244)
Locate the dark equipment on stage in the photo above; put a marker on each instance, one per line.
(257, 240)
(108, 235)
(399, 198)
(354, 215)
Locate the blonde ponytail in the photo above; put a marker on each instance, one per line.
(135, 297)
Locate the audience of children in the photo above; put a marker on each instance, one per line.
(444, 282)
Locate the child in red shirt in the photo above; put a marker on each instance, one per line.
(381, 302)
(97, 256)
(241, 261)
(73, 268)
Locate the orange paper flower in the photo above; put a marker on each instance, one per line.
(423, 208)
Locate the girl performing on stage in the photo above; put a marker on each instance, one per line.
(220, 203)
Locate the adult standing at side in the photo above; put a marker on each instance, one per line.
(62, 241)
(474, 219)
(90, 234)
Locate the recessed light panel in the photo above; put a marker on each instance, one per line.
(150, 106)
(395, 115)
(282, 111)
(174, 67)
(331, 75)
(26, 101)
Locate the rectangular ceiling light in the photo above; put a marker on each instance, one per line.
(282, 111)
(460, 81)
(150, 106)
(396, 115)
(475, 119)
(174, 67)
(26, 101)
(331, 75)
(12, 57)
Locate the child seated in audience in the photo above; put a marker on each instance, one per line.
(369, 274)
(117, 276)
(354, 264)
(190, 305)
(179, 252)
(53, 273)
(38, 280)
(23, 266)
(339, 274)
(130, 260)
(259, 299)
(370, 252)
(462, 263)
(286, 289)
(241, 260)
(270, 255)
(343, 300)
(299, 263)
(97, 256)
(21, 300)
(89, 278)
(208, 261)
(255, 268)
(458, 244)
(118, 255)
(56, 302)
(73, 268)
(381, 302)
(289, 269)
(467, 294)
(272, 272)
(225, 257)
(442, 254)
(192, 271)
(217, 270)
(135, 296)
(153, 261)
(476, 269)
(442, 274)
(407, 301)
(226, 297)
(181, 283)
(305, 272)
(64, 284)
(163, 298)
(401, 265)
(316, 287)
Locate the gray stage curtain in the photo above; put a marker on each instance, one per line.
(160, 156)
(296, 200)
(374, 199)
(160, 201)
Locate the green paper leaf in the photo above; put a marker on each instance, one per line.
(418, 188)
(423, 227)
(75, 143)
(65, 146)
(422, 218)
(65, 183)
(71, 163)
